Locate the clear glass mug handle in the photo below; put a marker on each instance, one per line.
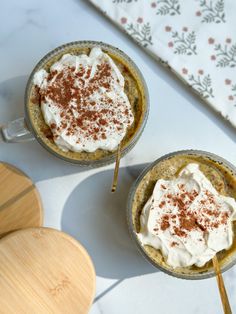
(15, 132)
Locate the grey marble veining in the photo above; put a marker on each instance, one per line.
(79, 201)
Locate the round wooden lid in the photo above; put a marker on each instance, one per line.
(20, 204)
(43, 270)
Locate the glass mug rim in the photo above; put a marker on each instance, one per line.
(208, 274)
(88, 44)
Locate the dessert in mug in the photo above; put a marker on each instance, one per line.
(85, 104)
(187, 213)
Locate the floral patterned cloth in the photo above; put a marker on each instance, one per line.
(194, 38)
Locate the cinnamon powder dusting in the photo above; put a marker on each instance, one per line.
(72, 92)
(207, 217)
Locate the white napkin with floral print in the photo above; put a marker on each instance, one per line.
(195, 38)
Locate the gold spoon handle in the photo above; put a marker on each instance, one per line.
(221, 286)
(116, 171)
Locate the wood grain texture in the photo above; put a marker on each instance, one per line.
(20, 203)
(43, 270)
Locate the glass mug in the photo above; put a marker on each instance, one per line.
(23, 129)
(209, 272)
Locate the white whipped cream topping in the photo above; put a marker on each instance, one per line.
(167, 219)
(118, 113)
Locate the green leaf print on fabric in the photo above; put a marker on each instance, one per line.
(141, 32)
(212, 11)
(184, 43)
(225, 54)
(168, 7)
(202, 84)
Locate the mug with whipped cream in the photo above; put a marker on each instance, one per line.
(82, 101)
(182, 212)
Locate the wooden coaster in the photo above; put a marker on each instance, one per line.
(20, 204)
(43, 270)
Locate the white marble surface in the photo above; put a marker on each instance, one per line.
(78, 201)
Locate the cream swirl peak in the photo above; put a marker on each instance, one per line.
(187, 219)
(83, 102)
